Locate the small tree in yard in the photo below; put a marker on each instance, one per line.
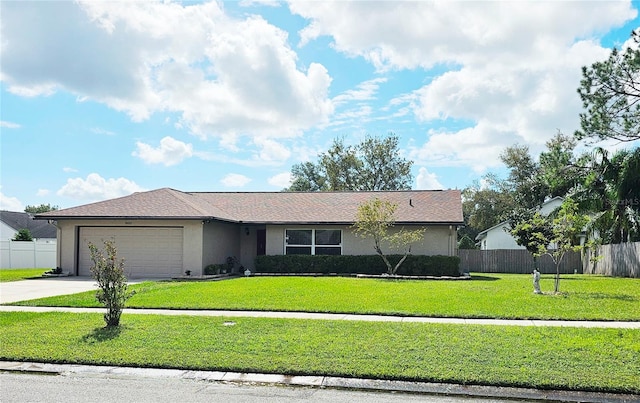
(566, 227)
(108, 271)
(532, 231)
(374, 219)
(538, 233)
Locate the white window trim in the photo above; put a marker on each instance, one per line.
(313, 239)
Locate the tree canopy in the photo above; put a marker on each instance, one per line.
(43, 208)
(374, 220)
(373, 164)
(610, 93)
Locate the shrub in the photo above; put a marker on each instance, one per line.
(213, 269)
(23, 235)
(414, 265)
(108, 272)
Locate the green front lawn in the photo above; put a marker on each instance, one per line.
(487, 296)
(565, 358)
(19, 274)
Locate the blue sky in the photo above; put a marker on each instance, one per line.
(102, 99)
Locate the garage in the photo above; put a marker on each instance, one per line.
(148, 251)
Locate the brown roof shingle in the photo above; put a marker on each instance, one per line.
(414, 206)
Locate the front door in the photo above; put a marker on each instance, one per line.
(261, 242)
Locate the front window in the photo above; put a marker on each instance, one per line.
(313, 242)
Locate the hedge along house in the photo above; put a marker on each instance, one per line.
(165, 232)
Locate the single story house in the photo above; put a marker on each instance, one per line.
(13, 221)
(499, 236)
(165, 232)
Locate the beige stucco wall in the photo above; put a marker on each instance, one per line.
(248, 246)
(68, 241)
(220, 240)
(438, 240)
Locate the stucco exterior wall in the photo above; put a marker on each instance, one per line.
(220, 240)
(67, 246)
(438, 240)
(248, 246)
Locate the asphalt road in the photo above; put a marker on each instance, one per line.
(24, 388)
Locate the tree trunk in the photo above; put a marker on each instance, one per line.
(390, 270)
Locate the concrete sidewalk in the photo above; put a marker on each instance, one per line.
(336, 316)
(444, 389)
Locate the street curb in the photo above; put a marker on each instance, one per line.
(322, 382)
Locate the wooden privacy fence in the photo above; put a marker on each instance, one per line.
(514, 261)
(620, 260)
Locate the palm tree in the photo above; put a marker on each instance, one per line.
(611, 192)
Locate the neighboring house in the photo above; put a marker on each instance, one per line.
(11, 222)
(499, 237)
(164, 232)
(40, 253)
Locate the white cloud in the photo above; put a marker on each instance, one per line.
(427, 181)
(9, 125)
(95, 188)
(365, 91)
(506, 72)
(9, 203)
(69, 169)
(272, 151)
(98, 130)
(42, 192)
(432, 33)
(281, 181)
(235, 180)
(170, 152)
(224, 76)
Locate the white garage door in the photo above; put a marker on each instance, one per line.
(147, 251)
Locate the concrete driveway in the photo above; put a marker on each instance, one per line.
(13, 291)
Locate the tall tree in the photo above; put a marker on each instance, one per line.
(558, 171)
(374, 164)
(43, 208)
(524, 180)
(484, 206)
(610, 93)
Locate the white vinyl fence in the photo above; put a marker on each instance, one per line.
(27, 254)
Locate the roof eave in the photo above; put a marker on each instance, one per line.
(146, 218)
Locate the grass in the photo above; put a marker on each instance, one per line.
(7, 275)
(564, 358)
(488, 296)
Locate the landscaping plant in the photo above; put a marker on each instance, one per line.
(108, 271)
(374, 218)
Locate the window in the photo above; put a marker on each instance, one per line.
(313, 242)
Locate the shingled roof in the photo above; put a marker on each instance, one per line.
(414, 206)
(19, 220)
